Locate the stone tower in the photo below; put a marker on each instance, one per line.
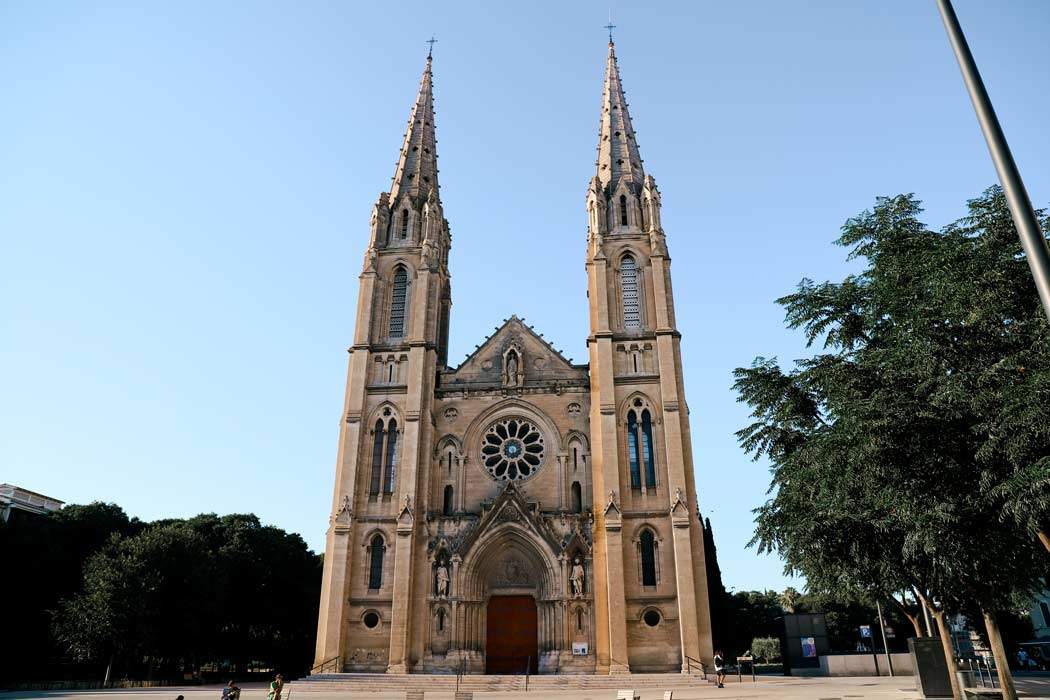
(517, 511)
(639, 421)
(386, 434)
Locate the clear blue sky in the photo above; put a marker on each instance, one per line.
(185, 191)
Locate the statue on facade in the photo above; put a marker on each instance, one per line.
(442, 580)
(512, 367)
(576, 578)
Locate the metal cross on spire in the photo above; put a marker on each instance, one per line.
(431, 41)
(610, 26)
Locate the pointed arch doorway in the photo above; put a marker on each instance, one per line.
(511, 634)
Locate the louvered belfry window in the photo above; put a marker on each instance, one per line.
(397, 303)
(632, 318)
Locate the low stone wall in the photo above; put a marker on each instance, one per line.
(864, 665)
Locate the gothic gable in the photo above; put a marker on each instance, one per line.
(510, 506)
(512, 358)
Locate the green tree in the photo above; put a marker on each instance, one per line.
(766, 648)
(718, 599)
(184, 592)
(789, 599)
(897, 459)
(50, 550)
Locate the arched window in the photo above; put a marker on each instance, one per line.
(623, 210)
(376, 549)
(632, 317)
(632, 450)
(446, 508)
(648, 547)
(575, 457)
(397, 303)
(579, 620)
(647, 449)
(404, 224)
(377, 460)
(391, 458)
(577, 497)
(441, 619)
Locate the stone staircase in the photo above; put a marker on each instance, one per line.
(383, 682)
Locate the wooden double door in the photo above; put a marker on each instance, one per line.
(511, 639)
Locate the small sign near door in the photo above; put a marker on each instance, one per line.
(579, 648)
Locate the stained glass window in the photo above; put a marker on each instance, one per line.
(391, 457)
(632, 450)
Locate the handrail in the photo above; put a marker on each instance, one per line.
(460, 672)
(528, 667)
(690, 662)
(321, 666)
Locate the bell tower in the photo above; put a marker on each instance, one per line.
(648, 538)
(400, 341)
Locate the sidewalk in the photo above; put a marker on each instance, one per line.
(781, 687)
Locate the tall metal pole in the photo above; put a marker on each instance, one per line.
(1021, 210)
(882, 629)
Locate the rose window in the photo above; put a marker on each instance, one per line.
(512, 449)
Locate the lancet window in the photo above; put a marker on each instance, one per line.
(376, 552)
(384, 456)
(640, 449)
(632, 317)
(647, 550)
(398, 299)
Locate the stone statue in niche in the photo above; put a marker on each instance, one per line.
(513, 368)
(442, 580)
(576, 578)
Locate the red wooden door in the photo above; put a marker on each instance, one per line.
(510, 634)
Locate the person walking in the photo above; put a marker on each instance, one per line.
(720, 669)
(231, 692)
(275, 688)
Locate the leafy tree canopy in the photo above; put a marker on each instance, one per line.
(913, 452)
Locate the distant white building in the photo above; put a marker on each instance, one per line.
(17, 498)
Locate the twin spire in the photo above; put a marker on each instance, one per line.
(417, 173)
(618, 157)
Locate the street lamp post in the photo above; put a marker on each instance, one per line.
(1021, 210)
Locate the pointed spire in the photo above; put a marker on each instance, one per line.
(618, 155)
(416, 172)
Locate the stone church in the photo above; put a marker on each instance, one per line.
(517, 511)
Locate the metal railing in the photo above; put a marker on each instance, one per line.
(985, 673)
(690, 663)
(321, 666)
(528, 667)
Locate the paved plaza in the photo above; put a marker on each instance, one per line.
(777, 687)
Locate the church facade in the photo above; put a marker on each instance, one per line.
(517, 511)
